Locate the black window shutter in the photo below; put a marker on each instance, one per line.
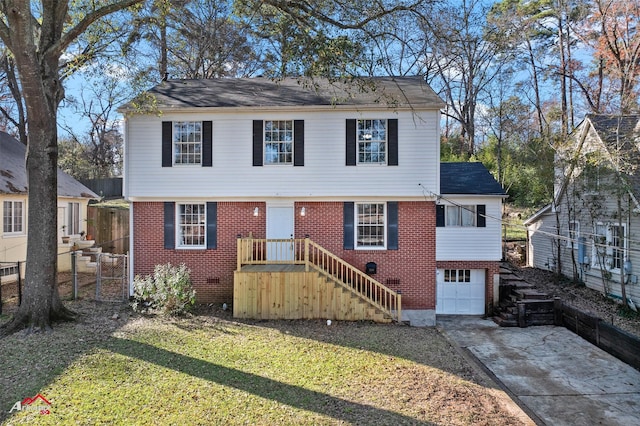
(350, 139)
(169, 225)
(439, 215)
(298, 143)
(392, 133)
(167, 144)
(212, 225)
(207, 144)
(348, 225)
(257, 142)
(392, 225)
(481, 216)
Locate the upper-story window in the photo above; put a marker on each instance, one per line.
(372, 141)
(187, 142)
(461, 215)
(12, 217)
(456, 216)
(192, 226)
(278, 142)
(371, 220)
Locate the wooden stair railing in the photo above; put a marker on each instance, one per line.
(256, 251)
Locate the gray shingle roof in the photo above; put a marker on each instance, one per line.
(468, 179)
(621, 134)
(392, 92)
(13, 173)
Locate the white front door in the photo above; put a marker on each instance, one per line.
(280, 227)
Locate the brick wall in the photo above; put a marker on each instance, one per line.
(211, 270)
(411, 269)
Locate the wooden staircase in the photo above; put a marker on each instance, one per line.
(521, 304)
(298, 279)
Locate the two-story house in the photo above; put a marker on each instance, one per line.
(224, 174)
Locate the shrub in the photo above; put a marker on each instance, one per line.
(168, 291)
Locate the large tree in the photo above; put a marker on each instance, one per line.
(37, 37)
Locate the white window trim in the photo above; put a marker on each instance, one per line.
(22, 219)
(576, 234)
(264, 144)
(173, 144)
(178, 238)
(356, 222)
(386, 143)
(609, 248)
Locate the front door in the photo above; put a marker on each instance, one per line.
(280, 227)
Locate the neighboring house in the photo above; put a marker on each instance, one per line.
(591, 232)
(73, 198)
(216, 165)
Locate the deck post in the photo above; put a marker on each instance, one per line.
(399, 303)
(306, 254)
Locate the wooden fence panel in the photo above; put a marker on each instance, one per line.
(109, 227)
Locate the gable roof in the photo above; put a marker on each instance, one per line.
(618, 135)
(390, 92)
(468, 179)
(13, 173)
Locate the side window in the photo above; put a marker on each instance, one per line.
(460, 216)
(573, 233)
(12, 217)
(191, 225)
(73, 219)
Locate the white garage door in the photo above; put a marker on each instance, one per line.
(460, 292)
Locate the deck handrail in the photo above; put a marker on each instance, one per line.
(258, 251)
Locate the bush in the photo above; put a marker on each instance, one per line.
(168, 291)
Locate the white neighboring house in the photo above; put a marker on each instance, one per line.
(593, 232)
(73, 198)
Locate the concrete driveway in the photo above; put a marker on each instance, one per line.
(555, 376)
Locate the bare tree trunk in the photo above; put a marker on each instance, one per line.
(39, 78)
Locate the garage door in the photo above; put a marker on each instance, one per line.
(460, 292)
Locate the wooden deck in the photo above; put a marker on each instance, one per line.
(298, 279)
(273, 268)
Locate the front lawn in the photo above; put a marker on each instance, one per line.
(209, 369)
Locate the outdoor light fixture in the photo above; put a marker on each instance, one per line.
(303, 212)
(255, 212)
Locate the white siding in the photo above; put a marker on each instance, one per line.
(324, 173)
(472, 243)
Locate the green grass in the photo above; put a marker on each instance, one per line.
(211, 370)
